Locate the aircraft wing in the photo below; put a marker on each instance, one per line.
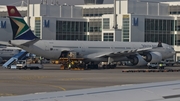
(149, 49)
(127, 52)
(116, 54)
(160, 91)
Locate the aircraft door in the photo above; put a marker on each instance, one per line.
(64, 54)
(83, 48)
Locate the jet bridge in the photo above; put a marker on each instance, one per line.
(20, 56)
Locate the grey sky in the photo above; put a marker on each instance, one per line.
(71, 2)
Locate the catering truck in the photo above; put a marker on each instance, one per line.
(23, 64)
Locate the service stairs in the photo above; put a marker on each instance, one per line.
(20, 56)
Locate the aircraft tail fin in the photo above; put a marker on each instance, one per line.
(21, 30)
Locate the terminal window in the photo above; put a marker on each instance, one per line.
(106, 23)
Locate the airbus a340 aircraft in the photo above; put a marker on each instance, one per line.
(7, 52)
(139, 53)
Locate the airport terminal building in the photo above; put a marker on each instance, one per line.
(125, 20)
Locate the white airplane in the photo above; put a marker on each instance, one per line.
(139, 53)
(7, 52)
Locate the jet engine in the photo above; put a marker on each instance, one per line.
(153, 57)
(137, 60)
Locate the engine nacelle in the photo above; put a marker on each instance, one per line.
(153, 57)
(137, 60)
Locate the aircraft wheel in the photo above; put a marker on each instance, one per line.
(149, 67)
(104, 67)
(161, 67)
(37, 68)
(96, 66)
(25, 68)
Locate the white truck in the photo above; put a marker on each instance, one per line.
(160, 65)
(22, 64)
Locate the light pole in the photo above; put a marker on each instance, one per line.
(115, 16)
(28, 20)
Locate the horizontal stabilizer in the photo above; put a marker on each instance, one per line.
(5, 43)
(20, 43)
(31, 42)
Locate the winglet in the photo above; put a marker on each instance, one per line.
(12, 11)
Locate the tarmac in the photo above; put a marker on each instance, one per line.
(52, 79)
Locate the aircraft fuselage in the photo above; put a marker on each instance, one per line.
(52, 49)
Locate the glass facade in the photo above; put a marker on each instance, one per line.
(97, 12)
(125, 30)
(177, 28)
(108, 37)
(93, 37)
(95, 25)
(178, 57)
(106, 23)
(37, 30)
(160, 30)
(71, 30)
(93, 1)
(94, 29)
(174, 9)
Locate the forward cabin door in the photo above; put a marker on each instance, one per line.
(82, 49)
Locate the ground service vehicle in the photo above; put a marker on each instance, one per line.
(23, 64)
(169, 62)
(160, 65)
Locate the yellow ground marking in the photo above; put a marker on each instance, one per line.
(59, 87)
(29, 78)
(7, 94)
(72, 79)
